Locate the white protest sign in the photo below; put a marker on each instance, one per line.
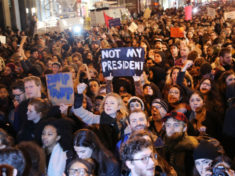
(133, 27)
(230, 15)
(3, 39)
(211, 12)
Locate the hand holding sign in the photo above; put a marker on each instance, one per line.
(81, 87)
(64, 109)
(136, 78)
(109, 78)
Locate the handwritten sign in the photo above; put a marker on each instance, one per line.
(87, 23)
(177, 32)
(60, 88)
(122, 61)
(230, 15)
(147, 13)
(133, 27)
(211, 12)
(3, 39)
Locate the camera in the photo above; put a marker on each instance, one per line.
(219, 171)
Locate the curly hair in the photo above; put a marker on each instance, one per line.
(133, 146)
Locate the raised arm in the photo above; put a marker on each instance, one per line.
(85, 115)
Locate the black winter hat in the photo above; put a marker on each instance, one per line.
(205, 150)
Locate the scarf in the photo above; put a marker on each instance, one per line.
(57, 161)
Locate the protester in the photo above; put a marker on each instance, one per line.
(87, 145)
(169, 71)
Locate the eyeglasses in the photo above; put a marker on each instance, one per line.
(174, 92)
(80, 171)
(16, 96)
(145, 159)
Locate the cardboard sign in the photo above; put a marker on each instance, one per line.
(122, 61)
(230, 15)
(147, 13)
(211, 12)
(60, 88)
(87, 23)
(177, 32)
(133, 27)
(188, 13)
(114, 22)
(3, 39)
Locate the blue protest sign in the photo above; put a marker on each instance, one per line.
(114, 22)
(122, 61)
(60, 88)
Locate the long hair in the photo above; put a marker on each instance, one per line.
(122, 113)
(222, 82)
(87, 138)
(212, 103)
(35, 158)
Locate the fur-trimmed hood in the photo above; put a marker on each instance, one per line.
(188, 143)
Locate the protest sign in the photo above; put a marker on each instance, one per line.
(114, 22)
(133, 27)
(211, 12)
(230, 15)
(147, 13)
(177, 32)
(122, 61)
(87, 23)
(188, 13)
(3, 39)
(60, 88)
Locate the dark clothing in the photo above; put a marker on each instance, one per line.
(212, 123)
(179, 154)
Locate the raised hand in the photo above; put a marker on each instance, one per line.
(81, 87)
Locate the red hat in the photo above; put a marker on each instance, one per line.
(176, 115)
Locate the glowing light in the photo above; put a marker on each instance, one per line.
(33, 10)
(77, 29)
(195, 10)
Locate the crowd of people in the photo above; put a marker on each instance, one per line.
(176, 118)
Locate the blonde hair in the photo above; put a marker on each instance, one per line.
(122, 113)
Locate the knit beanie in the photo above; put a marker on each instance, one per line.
(205, 150)
(133, 99)
(161, 102)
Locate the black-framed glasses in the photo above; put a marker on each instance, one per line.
(145, 159)
(79, 171)
(17, 95)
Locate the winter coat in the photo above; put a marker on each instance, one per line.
(179, 154)
(108, 131)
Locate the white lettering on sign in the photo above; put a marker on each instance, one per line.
(134, 52)
(115, 53)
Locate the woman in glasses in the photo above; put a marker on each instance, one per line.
(80, 167)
